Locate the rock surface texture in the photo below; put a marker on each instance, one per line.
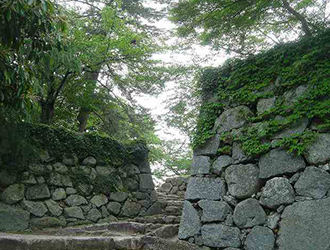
(248, 190)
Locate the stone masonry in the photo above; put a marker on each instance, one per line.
(277, 200)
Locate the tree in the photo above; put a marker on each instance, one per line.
(26, 29)
(244, 26)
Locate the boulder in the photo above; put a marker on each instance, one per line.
(210, 147)
(217, 235)
(13, 219)
(36, 208)
(214, 210)
(60, 168)
(220, 163)
(89, 161)
(265, 104)
(305, 226)
(200, 165)
(249, 213)
(70, 160)
(291, 96)
(99, 200)
(74, 212)
(190, 224)
(238, 154)
(75, 200)
(318, 152)
(279, 162)
(118, 196)
(242, 180)
(59, 194)
(130, 209)
(260, 238)
(146, 182)
(313, 182)
(94, 215)
(154, 209)
(37, 192)
(232, 118)
(114, 207)
(276, 192)
(54, 208)
(205, 188)
(55, 179)
(295, 128)
(12, 194)
(165, 187)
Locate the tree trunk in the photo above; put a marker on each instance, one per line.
(82, 118)
(47, 112)
(300, 17)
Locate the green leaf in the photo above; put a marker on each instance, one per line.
(30, 2)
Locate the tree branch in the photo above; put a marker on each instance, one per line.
(300, 17)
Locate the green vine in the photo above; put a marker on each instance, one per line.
(271, 73)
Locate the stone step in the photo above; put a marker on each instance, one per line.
(128, 242)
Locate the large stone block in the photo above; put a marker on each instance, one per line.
(75, 200)
(279, 162)
(190, 224)
(74, 212)
(313, 182)
(36, 208)
(318, 152)
(265, 104)
(232, 118)
(130, 209)
(242, 180)
(37, 192)
(210, 147)
(118, 196)
(13, 219)
(146, 182)
(214, 210)
(205, 189)
(277, 191)
(295, 128)
(200, 165)
(53, 207)
(220, 163)
(12, 194)
(99, 200)
(305, 226)
(217, 235)
(249, 213)
(260, 238)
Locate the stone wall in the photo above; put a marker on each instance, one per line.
(272, 200)
(51, 191)
(276, 201)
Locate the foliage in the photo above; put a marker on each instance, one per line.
(243, 27)
(60, 142)
(27, 26)
(276, 71)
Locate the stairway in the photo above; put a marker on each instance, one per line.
(156, 232)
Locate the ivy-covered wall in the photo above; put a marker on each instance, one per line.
(54, 177)
(297, 74)
(260, 173)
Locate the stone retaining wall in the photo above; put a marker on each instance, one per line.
(70, 191)
(277, 200)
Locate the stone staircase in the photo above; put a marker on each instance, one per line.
(158, 231)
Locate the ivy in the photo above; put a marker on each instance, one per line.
(274, 72)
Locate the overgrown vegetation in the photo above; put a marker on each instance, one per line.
(283, 68)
